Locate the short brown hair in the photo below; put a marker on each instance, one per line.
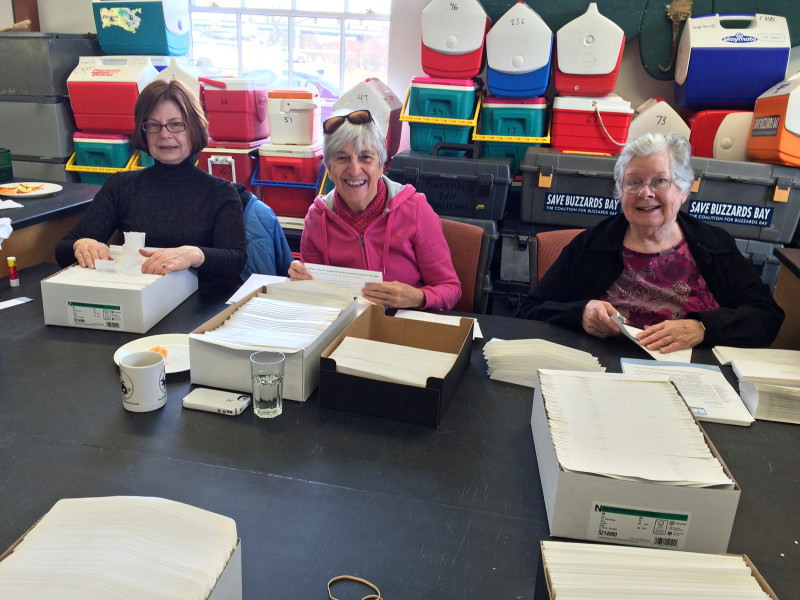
(174, 90)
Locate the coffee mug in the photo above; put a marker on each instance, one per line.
(144, 381)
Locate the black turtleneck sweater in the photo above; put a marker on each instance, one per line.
(175, 205)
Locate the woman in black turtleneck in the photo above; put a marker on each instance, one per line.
(194, 219)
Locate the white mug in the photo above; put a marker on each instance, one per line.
(143, 378)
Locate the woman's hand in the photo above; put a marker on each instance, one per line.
(298, 271)
(167, 260)
(668, 336)
(597, 319)
(393, 294)
(88, 250)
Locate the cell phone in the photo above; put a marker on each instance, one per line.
(222, 402)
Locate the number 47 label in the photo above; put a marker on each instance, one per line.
(638, 526)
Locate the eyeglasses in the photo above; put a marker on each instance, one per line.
(172, 127)
(657, 184)
(357, 117)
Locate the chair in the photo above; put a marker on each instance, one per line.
(546, 250)
(469, 249)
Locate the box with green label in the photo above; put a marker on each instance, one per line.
(643, 513)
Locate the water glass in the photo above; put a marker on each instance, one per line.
(266, 369)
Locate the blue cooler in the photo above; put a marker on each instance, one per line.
(101, 150)
(512, 117)
(727, 61)
(152, 27)
(519, 48)
(445, 99)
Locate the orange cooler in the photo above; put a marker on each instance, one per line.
(595, 125)
(103, 91)
(236, 109)
(775, 131)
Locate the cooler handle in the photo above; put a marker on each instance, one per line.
(472, 150)
(221, 159)
(783, 187)
(603, 125)
(261, 108)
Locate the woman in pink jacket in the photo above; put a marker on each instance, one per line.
(370, 222)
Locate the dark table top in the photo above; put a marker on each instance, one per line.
(72, 198)
(449, 513)
(790, 257)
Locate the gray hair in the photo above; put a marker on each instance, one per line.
(673, 145)
(366, 136)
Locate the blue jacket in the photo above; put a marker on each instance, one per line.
(268, 252)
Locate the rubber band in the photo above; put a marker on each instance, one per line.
(375, 596)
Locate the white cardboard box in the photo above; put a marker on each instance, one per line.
(602, 509)
(228, 368)
(96, 300)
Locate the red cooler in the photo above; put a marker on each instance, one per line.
(236, 109)
(290, 163)
(453, 38)
(704, 126)
(233, 161)
(595, 125)
(103, 91)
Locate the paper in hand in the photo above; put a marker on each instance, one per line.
(630, 332)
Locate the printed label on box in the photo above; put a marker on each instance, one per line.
(739, 214)
(578, 203)
(638, 526)
(94, 315)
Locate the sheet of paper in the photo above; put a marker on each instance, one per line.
(630, 332)
(4, 204)
(352, 279)
(704, 388)
(14, 302)
(253, 283)
(421, 315)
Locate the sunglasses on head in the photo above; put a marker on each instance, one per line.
(357, 117)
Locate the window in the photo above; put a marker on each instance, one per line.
(333, 44)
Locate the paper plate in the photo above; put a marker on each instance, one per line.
(45, 190)
(177, 345)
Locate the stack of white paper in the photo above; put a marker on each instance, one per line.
(598, 572)
(516, 361)
(769, 380)
(391, 362)
(703, 387)
(625, 428)
(120, 547)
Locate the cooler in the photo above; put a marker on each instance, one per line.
(475, 188)
(236, 109)
(107, 150)
(571, 190)
(727, 61)
(103, 91)
(158, 27)
(590, 124)
(775, 132)
(290, 163)
(382, 103)
(453, 38)
(518, 54)
(720, 134)
(510, 118)
(294, 116)
(440, 99)
(588, 55)
(656, 116)
(232, 161)
(288, 199)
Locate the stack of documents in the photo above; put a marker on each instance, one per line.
(596, 572)
(516, 361)
(391, 362)
(625, 428)
(703, 387)
(120, 547)
(769, 380)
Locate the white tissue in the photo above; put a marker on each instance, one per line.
(5, 229)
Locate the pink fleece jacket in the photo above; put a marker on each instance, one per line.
(415, 252)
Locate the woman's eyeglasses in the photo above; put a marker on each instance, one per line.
(172, 127)
(657, 184)
(357, 117)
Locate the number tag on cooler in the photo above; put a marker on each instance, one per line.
(638, 526)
